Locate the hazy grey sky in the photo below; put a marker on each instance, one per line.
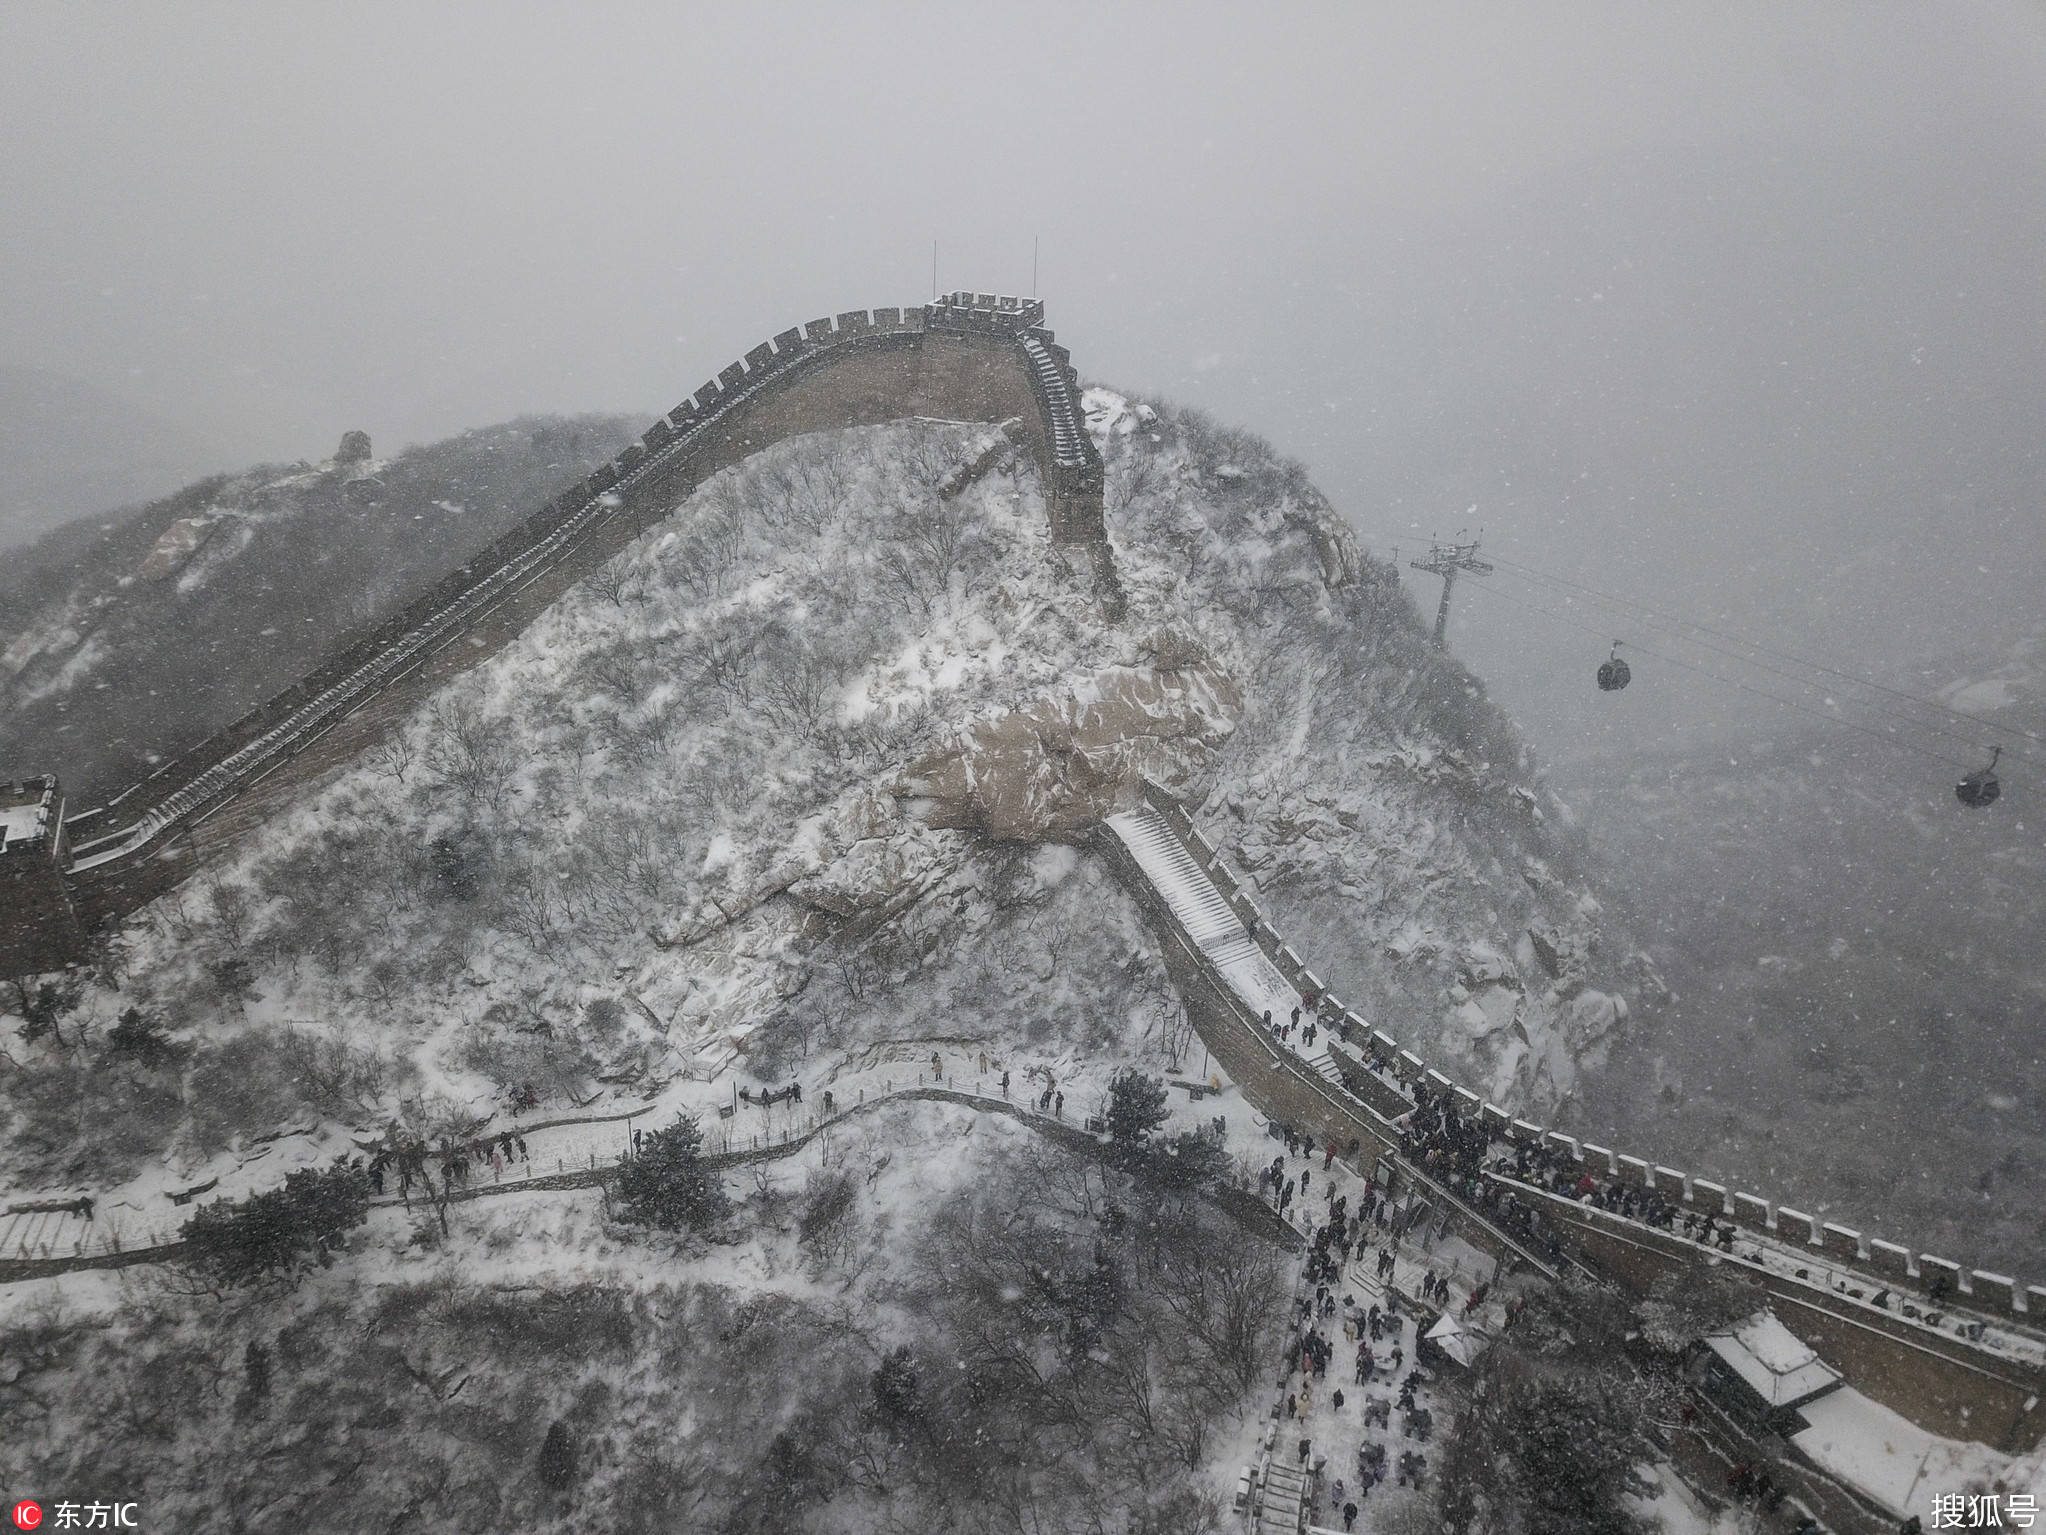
(1739, 307)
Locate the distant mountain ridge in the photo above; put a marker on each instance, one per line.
(70, 449)
(125, 639)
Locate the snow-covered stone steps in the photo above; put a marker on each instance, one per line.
(1327, 1069)
(1284, 1495)
(1195, 902)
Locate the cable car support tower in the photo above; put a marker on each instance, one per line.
(1445, 560)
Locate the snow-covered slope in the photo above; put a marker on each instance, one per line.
(799, 771)
(128, 637)
(802, 785)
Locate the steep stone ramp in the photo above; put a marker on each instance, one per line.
(1209, 921)
(1282, 1504)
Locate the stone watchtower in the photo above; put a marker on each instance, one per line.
(42, 930)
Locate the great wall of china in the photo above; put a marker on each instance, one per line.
(972, 357)
(1960, 1351)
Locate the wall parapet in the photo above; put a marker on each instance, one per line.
(1820, 1262)
(1839, 1243)
(132, 832)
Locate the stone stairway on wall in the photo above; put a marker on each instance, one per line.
(1324, 1066)
(1282, 1510)
(1227, 949)
(1208, 918)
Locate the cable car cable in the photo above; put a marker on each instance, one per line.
(1529, 573)
(1667, 619)
(1791, 704)
(1916, 723)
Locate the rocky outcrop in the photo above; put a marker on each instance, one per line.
(1052, 769)
(178, 543)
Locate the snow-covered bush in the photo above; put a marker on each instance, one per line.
(664, 1183)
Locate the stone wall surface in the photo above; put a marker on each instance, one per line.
(1935, 1379)
(1990, 1387)
(971, 357)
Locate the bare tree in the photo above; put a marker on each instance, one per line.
(1134, 475)
(613, 582)
(795, 683)
(805, 487)
(924, 454)
(232, 909)
(724, 664)
(705, 557)
(392, 757)
(473, 753)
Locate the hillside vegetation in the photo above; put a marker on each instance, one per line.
(800, 786)
(808, 766)
(127, 637)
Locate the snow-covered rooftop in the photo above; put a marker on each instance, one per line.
(1886, 1455)
(1771, 1359)
(18, 822)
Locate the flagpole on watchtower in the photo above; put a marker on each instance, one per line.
(1445, 560)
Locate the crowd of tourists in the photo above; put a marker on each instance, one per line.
(406, 1159)
(1357, 1225)
(1456, 1150)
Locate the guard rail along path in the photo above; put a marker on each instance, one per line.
(45, 1239)
(967, 357)
(1960, 1352)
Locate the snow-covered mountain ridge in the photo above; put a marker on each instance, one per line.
(127, 638)
(799, 770)
(802, 785)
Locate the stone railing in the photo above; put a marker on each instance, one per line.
(55, 1241)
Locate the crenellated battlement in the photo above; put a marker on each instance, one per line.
(1376, 1065)
(1962, 1350)
(986, 312)
(968, 356)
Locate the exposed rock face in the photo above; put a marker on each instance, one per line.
(1593, 1017)
(180, 541)
(1048, 771)
(878, 874)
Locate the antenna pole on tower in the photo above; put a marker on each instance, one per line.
(1033, 266)
(1445, 560)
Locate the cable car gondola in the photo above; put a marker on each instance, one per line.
(1613, 673)
(1979, 789)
